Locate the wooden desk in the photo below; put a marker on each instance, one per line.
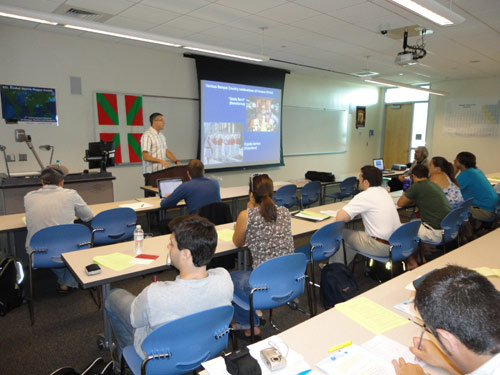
(313, 337)
(493, 178)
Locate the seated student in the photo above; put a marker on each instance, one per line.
(191, 247)
(474, 184)
(462, 310)
(442, 174)
(197, 192)
(379, 215)
(266, 230)
(431, 202)
(51, 205)
(420, 158)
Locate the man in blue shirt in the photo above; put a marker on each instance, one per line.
(474, 184)
(197, 192)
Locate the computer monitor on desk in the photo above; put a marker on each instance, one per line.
(167, 185)
(379, 164)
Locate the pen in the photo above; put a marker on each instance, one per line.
(420, 341)
(340, 346)
(304, 372)
(417, 323)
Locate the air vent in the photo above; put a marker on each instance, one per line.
(365, 74)
(82, 14)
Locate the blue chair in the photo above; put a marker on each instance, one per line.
(180, 346)
(310, 193)
(324, 243)
(450, 225)
(403, 243)
(48, 244)
(286, 196)
(348, 188)
(112, 226)
(274, 283)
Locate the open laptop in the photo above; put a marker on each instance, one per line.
(167, 185)
(379, 164)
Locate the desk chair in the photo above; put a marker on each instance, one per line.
(274, 283)
(48, 244)
(348, 188)
(324, 243)
(464, 231)
(450, 225)
(112, 226)
(403, 243)
(180, 346)
(310, 193)
(286, 196)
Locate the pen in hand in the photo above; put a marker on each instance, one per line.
(420, 340)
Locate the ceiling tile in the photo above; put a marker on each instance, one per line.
(289, 13)
(360, 11)
(148, 14)
(40, 5)
(191, 24)
(326, 6)
(253, 6)
(182, 7)
(218, 13)
(128, 23)
(254, 23)
(109, 6)
(171, 31)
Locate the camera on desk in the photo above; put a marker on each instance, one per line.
(273, 359)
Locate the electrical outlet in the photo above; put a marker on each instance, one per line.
(23, 157)
(11, 157)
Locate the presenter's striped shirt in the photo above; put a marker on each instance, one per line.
(156, 145)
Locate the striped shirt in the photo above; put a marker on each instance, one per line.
(156, 145)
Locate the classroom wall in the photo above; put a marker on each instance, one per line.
(48, 59)
(486, 149)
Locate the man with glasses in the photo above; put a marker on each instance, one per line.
(461, 308)
(154, 148)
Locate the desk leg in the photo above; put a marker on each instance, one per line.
(108, 334)
(234, 210)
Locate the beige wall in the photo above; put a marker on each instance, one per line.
(48, 59)
(486, 149)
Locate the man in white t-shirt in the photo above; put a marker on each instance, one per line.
(378, 212)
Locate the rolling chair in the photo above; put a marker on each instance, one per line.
(310, 193)
(286, 196)
(450, 225)
(112, 226)
(348, 188)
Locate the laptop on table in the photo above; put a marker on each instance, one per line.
(379, 164)
(167, 185)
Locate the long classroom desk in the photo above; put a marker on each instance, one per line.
(493, 178)
(313, 337)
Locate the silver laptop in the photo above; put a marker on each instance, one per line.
(167, 185)
(379, 164)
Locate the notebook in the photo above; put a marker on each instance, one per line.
(167, 185)
(379, 164)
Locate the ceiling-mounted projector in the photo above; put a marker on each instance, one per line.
(405, 58)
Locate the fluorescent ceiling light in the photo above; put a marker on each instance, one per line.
(403, 85)
(25, 18)
(119, 35)
(228, 54)
(432, 10)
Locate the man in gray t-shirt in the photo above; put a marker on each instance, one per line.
(191, 246)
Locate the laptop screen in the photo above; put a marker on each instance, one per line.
(378, 163)
(168, 185)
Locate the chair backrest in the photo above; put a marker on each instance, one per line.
(404, 240)
(348, 186)
(50, 242)
(326, 241)
(180, 346)
(286, 196)
(278, 281)
(112, 226)
(465, 206)
(218, 213)
(310, 193)
(451, 224)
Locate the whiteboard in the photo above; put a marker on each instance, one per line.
(181, 123)
(309, 131)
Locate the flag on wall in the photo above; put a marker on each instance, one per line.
(125, 114)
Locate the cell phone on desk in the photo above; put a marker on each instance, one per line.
(417, 282)
(92, 269)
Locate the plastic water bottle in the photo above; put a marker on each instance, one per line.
(138, 240)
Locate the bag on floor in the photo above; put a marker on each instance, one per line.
(11, 290)
(337, 284)
(97, 367)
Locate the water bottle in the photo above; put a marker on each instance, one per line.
(138, 240)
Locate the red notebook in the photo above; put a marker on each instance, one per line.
(147, 256)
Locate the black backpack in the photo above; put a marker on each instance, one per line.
(337, 284)
(11, 291)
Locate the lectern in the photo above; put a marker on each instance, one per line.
(175, 171)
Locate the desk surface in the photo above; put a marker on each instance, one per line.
(313, 337)
(493, 178)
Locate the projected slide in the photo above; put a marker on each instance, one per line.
(240, 125)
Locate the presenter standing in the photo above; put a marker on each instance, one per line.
(154, 148)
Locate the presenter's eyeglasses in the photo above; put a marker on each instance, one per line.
(256, 175)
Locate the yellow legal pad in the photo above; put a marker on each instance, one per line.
(488, 272)
(371, 315)
(225, 234)
(115, 261)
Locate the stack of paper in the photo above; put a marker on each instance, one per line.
(136, 206)
(115, 261)
(225, 235)
(309, 215)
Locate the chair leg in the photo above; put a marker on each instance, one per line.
(309, 300)
(252, 323)
(314, 301)
(275, 327)
(31, 307)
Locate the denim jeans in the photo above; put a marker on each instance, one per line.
(64, 277)
(118, 306)
(242, 289)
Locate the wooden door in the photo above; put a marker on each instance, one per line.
(398, 120)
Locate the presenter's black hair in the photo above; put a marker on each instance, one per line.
(196, 234)
(420, 171)
(467, 159)
(372, 174)
(464, 303)
(153, 116)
